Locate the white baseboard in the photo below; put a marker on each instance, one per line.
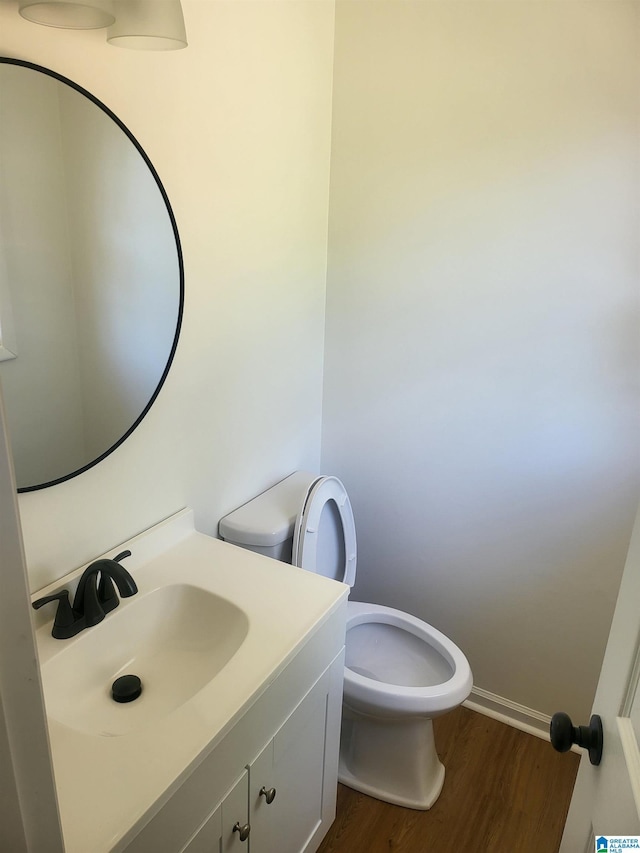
(518, 716)
(511, 713)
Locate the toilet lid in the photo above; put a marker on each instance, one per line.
(324, 538)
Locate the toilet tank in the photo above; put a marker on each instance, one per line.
(265, 523)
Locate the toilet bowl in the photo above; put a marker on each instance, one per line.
(397, 665)
(399, 673)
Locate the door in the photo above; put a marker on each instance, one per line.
(293, 781)
(286, 780)
(29, 817)
(234, 817)
(208, 838)
(606, 798)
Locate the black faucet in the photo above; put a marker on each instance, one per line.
(93, 599)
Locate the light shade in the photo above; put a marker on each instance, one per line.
(69, 14)
(148, 25)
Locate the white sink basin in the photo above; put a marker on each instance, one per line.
(176, 638)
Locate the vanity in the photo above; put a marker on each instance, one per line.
(233, 743)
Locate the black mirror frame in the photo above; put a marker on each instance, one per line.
(33, 66)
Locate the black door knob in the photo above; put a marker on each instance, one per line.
(564, 734)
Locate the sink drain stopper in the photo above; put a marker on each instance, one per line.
(126, 688)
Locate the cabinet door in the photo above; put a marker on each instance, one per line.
(224, 831)
(292, 765)
(209, 837)
(235, 818)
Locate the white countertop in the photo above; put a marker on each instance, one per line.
(107, 785)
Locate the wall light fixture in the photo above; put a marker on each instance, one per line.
(148, 25)
(137, 24)
(68, 14)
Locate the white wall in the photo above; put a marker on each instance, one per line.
(481, 376)
(238, 127)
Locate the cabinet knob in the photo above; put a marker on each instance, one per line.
(268, 794)
(243, 831)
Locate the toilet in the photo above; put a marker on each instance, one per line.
(399, 672)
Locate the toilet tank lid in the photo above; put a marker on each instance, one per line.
(268, 519)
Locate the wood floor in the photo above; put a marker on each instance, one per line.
(505, 792)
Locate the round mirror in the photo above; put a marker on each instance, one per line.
(91, 276)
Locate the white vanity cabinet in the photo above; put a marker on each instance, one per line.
(285, 746)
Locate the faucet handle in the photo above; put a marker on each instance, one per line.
(121, 556)
(65, 619)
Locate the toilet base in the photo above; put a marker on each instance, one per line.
(394, 760)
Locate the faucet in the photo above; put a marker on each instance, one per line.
(93, 598)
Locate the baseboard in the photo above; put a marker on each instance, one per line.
(511, 713)
(518, 716)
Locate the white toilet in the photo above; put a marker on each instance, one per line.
(399, 671)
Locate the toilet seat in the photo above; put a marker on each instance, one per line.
(315, 529)
(364, 693)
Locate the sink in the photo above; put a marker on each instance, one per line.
(176, 638)
(223, 640)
